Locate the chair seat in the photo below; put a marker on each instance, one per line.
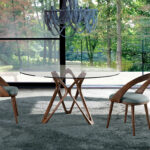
(12, 90)
(134, 98)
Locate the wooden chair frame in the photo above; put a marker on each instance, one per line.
(59, 82)
(4, 93)
(119, 94)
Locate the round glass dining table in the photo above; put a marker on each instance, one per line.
(90, 71)
(76, 72)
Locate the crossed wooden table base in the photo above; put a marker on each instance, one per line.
(59, 82)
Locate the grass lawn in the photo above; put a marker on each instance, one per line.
(6, 68)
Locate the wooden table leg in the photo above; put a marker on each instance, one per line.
(73, 103)
(87, 116)
(56, 107)
(63, 103)
(50, 105)
(58, 82)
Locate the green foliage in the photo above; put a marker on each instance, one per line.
(26, 20)
(135, 28)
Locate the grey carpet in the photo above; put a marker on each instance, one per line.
(70, 132)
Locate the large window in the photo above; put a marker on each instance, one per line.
(25, 41)
(101, 47)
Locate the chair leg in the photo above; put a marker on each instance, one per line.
(109, 116)
(126, 112)
(133, 119)
(13, 100)
(147, 116)
(16, 106)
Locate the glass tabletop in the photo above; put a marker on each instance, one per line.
(69, 71)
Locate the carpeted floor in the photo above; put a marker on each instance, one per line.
(70, 132)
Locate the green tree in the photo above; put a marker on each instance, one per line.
(119, 49)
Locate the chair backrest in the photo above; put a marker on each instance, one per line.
(3, 92)
(117, 97)
(3, 82)
(142, 88)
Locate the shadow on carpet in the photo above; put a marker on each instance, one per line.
(69, 132)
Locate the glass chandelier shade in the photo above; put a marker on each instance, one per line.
(70, 15)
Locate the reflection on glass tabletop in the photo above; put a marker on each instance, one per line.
(60, 70)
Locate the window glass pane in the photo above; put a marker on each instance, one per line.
(23, 19)
(15, 56)
(101, 47)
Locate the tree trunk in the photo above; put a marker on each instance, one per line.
(17, 43)
(26, 42)
(89, 50)
(108, 35)
(50, 51)
(81, 51)
(55, 51)
(44, 49)
(44, 52)
(119, 51)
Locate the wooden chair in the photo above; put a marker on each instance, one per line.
(9, 91)
(131, 98)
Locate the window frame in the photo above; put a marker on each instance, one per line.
(62, 57)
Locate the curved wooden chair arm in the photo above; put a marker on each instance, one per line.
(117, 97)
(142, 88)
(3, 82)
(3, 92)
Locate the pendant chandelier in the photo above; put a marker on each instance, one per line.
(70, 15)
